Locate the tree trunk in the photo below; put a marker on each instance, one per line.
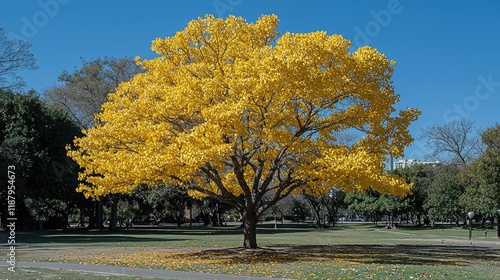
(65, 220)
(178, 218)
(92, 216)
(316, 206)
(333, 218)
(100, 214)
(114, 210)
(275, 219)
(190, 215)
(250, 230)
(317, 213)
(392, 219)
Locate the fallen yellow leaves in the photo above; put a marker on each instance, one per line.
(298, 262)
(352, 252)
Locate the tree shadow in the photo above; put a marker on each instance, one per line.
(362, 254)
(90, 237)
(133, 235)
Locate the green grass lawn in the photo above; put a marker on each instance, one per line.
(348, 251)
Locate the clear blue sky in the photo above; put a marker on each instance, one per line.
(448, 52)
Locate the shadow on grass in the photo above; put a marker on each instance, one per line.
(87, 239)
(153, 230)
(361, 254)
(137, 235)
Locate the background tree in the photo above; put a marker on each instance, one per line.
(300, 208)
(82, 92)
(139, 206)
(317, 204)
(325, 207)
(364, 203)
(231, 113)
(282, 210)
(150, 203)
(177, 199)
(211, 211)
(422, 176)
(376, 205)
(334, 202)
(482, 194)
(443, 202)
(390, 205)
(456, 142)
(33, 137)
(14, 56)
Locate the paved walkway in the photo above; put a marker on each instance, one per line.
(126, 271)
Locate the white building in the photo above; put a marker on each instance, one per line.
(402, 163)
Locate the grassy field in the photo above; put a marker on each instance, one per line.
(348, 251)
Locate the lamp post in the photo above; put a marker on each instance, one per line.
(470, 215)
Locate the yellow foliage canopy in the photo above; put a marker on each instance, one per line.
(233, 111)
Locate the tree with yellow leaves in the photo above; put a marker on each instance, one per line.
(232, 111)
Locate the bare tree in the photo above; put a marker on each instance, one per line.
(83, 92)
(456, 142)
(14, 56)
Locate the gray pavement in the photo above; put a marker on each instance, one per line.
(126, 271)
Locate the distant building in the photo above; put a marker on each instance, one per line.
(410, 162)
